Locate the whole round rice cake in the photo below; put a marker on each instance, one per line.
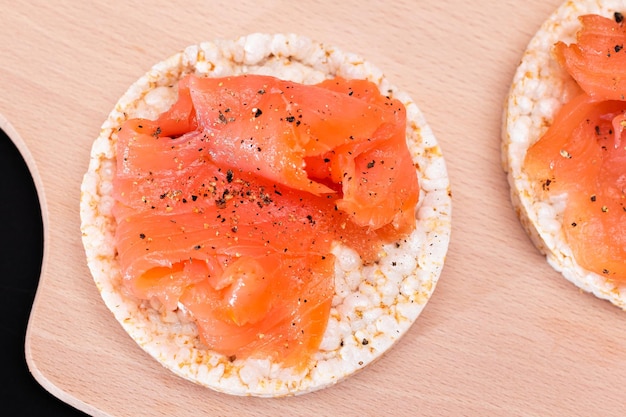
(373, 305)
(540, 87)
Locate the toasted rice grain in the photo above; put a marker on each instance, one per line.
(373, 305)
(539, 89)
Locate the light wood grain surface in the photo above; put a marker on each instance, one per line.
(503, 334)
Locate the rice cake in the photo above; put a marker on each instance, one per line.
(540, 87)
(373, 305)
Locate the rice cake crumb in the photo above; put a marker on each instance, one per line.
(540, 87)
(373, 305)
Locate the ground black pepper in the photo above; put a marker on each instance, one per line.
(546, 184)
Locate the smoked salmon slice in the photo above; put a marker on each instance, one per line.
(228, 205)
(583, 152)
(597, 61)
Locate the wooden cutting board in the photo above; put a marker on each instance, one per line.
(503, 335)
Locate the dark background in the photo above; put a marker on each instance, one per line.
(21, 251)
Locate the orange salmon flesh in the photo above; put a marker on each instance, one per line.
(583, 153)
(228, 205)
